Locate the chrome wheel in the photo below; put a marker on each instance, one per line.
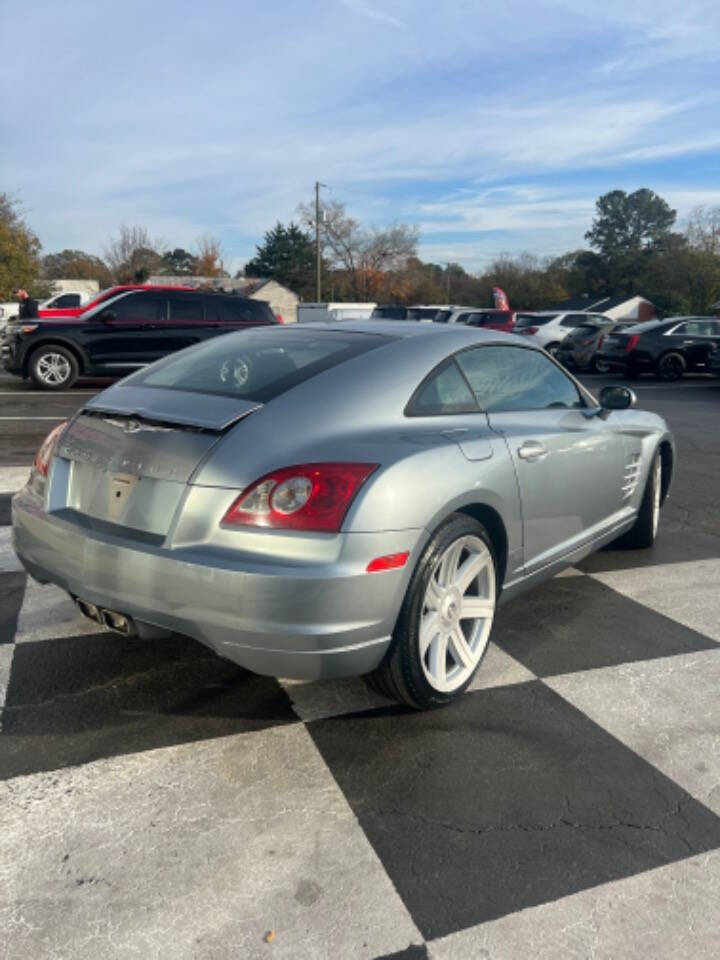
(657, 486)
(457, 614)
(53, 369)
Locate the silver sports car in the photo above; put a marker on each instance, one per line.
(325, 501)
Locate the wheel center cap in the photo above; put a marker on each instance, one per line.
(450, 607)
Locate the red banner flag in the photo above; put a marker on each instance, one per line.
(501, 300)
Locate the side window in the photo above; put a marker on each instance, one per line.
(67, 300)
(187, 311)
(463, 318)
(138, 309)
(444, 392)
(573, 320)
(517, 378)
(699, 328)
(242, 312)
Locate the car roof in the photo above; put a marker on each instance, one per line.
(402, 329)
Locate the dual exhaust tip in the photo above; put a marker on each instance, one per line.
(108, 618)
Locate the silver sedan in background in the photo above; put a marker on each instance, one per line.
(326, 501)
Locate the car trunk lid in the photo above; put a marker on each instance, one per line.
(125, 461)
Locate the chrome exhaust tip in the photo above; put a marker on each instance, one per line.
(89, 610)
(117, 622)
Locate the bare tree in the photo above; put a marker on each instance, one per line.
(366, 254)
(703, 229)
(133, 255)
(210, 257)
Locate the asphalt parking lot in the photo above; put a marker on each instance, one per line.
(158, 801)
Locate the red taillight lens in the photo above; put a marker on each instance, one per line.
(310, 496)
(47, 448)
(528, 330)
(632, 342)
(389, 562)
(600, 341)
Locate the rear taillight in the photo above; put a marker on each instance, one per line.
(528, 330)
(47, 448)
(309, 496)
(600, 341)
(632, 342)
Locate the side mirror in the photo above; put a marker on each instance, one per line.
(617, 398)
(107, 316)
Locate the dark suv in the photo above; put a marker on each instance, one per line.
(667, 348)
(122, 334)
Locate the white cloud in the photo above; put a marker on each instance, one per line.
(372, 13)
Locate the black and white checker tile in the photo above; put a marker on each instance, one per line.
(156, 800)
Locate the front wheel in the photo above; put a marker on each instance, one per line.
(53, 368)
(443, 629)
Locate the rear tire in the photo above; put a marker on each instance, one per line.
(644, 531)
(670, 367)
(443, 629)
(53, 367)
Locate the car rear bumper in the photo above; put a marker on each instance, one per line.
(306, 622)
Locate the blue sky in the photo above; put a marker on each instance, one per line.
(492, 126)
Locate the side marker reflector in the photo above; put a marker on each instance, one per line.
(389, 562)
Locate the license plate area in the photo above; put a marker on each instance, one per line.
(135, 502)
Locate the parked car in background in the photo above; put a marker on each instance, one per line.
(667, 348)
(66, 299)
(330, 312)
(120, 335)
(548, 328)
(490, 318)
(425, 312)
(68, 310)
(579, 349)
(358, 500)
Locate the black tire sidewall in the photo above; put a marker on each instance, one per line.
(406, 664)
(53, 348)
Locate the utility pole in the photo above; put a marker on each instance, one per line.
(447, 276)
(318, 258)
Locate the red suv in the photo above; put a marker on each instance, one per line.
(106, 295)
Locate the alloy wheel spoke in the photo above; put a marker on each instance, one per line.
(472, 568)
(438, 656)
(449, 564)
(434, 595)
(476, 608)
(461, 652)
(429, 629)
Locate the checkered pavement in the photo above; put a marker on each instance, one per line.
(158, 801)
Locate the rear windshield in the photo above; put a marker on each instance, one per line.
(256, 364)
(529, 320)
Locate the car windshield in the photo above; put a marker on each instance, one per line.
(533, 320)
(256, 364)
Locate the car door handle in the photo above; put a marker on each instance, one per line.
(532, 450)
